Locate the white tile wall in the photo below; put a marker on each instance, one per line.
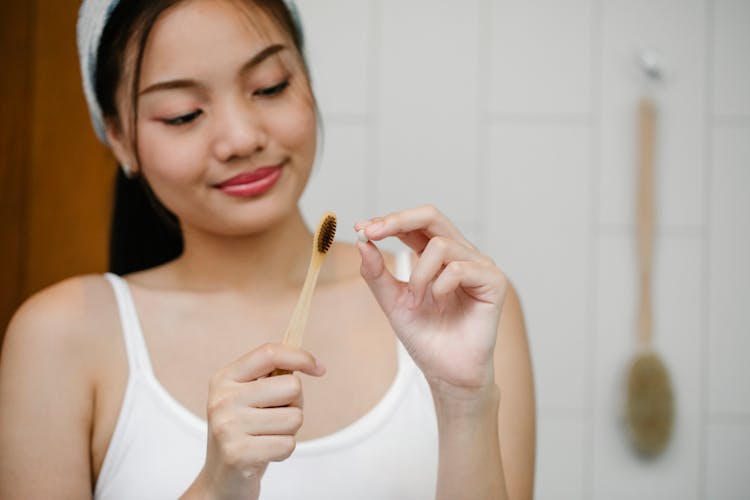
(337, 182)
(731, 63)
(728, 461)
(559, 471)
(541, 54)
(539, 227)
(338, 53)
(516, 118)
(427, 107)
(676, 30)
(729, 284)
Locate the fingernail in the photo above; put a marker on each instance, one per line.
(361, 236)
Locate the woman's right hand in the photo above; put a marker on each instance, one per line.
(252, 420)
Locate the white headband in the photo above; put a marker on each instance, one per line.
(92, 18)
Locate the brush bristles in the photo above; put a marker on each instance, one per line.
(326, 232)
(650, 408)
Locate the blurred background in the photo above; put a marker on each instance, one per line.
(517, 118)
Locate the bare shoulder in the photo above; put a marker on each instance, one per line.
(47, 374)
(62, 312)
(64, 319)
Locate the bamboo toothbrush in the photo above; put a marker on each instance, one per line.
(322, 242)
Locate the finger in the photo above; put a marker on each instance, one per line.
(270, 392)
(259, 449)
(263, 360)
(416, 240)
(438, 253)
(425, 219)
(257, 422)
(388, 291)
(480, 281)
(269, 421)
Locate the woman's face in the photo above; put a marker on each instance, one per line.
(226, 120)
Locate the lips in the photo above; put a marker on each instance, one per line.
(248, 177)
(252, 183)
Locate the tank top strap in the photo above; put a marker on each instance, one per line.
(135, 345)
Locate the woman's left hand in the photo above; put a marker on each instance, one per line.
(447, 315)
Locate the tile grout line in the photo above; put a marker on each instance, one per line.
(552, 118)
(729, 121)
(594, 121)
(665, 231)
(484, 53)
(706, 264)
(373, 96)
(728, 418)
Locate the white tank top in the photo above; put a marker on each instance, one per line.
(159, 446)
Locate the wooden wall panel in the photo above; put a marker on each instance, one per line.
(55, 177)
(70, 175)
(16, 22)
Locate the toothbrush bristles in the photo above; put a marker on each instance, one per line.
(326, 233)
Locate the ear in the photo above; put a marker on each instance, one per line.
(121, 146)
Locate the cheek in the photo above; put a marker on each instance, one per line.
(169, 158)
(296, 129)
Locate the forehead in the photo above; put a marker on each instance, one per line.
(196, 36)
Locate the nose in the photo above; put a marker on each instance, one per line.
(239, 130)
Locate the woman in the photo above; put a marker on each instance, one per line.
(157, 385)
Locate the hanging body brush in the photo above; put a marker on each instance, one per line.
(650, 412)
(322, 242)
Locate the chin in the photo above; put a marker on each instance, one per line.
(252, 218)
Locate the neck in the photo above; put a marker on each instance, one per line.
(272, 260)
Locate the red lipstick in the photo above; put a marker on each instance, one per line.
(252, 183)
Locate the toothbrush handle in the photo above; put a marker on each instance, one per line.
(296, 328)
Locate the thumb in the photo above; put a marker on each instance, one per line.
(388, 291)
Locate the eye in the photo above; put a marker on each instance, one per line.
(184, 119)
(271, 91)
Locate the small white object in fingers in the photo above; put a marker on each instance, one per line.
(361, 236)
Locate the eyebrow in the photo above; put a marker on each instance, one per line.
(188, 83)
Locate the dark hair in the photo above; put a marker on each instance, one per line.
(143, 232)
